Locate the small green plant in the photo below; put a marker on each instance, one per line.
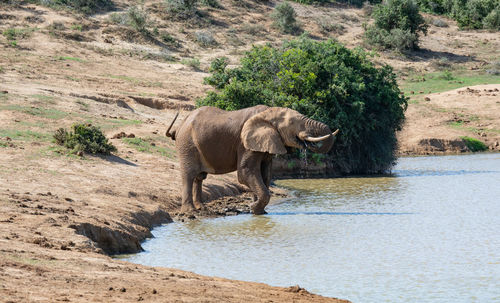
(84, 138)
(446, 75)
(13, 34)
(284, 18)
(474, 145)
(194, 63)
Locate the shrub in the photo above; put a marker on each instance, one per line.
(284, 18)
(182, 9)
(194, 63)
(82, 6)
(327, 82)
(211, 3)
(398, 24)
(474, 145)
(137, 18)
(84, 138)
(492, 20)
(326, 27)
(205, 38)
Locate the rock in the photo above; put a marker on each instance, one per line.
(130, 136)
(79, 153)
(123, 289)
(427, 99)
(119, 135)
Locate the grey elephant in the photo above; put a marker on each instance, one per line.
(214, 141)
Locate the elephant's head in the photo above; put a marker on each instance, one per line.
(276, 127)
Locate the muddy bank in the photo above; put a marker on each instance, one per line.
(54, 249)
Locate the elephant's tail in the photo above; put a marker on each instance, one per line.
(172, 134)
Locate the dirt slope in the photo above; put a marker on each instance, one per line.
(60, 214)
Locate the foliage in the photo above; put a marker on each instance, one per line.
(211, 3)
(358, 3)
(327, 82)
(83, 6)
(474, 145)
(284, 18)
(12, 33)
(398, 24)
(84, 138)
(473, 14)
(194, 63)
(183, 9)
(205, 38)
(492, 20)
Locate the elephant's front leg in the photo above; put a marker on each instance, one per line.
(250, 174)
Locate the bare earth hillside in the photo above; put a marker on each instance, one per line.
(61, 215)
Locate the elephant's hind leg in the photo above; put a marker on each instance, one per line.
(187, 192)
(198, 189)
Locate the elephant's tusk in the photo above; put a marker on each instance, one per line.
(318, 139)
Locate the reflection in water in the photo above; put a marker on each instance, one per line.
(428, 233)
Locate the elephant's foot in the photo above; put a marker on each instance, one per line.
(187, 208)
(199, 206)
(257, 209)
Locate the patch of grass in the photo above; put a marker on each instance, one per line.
(44, 98)
(49, 113)
(432, 82)
(25, 135)
(143, 145)
(70, 59)
(83, 105)
(473, 144)
(84, 138)
(115, 123)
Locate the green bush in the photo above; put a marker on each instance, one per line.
(327, 82)
(492, 21)
(84, 138)
(473, 14)
(474, 145)
(398, 24)
(284, 18)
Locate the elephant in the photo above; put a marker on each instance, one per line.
(215, 141)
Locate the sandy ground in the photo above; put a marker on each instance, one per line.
(61, 214)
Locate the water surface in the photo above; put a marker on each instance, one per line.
(428, 233)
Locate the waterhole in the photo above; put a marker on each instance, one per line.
(429, 232)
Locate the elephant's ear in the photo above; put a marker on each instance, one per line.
(258, 134)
